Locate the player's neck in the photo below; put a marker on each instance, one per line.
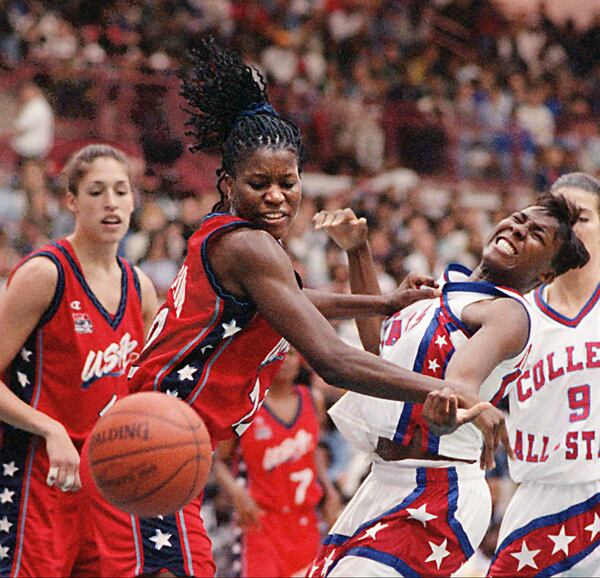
(99, 255)
(569, 292)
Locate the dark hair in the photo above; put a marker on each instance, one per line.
(572, 253)
(79, 164)
(577, 181)
(231, 109)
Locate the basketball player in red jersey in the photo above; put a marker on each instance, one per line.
(236, 302)
(277, 508)
(72, 319)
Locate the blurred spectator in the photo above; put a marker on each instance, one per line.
(33, 127)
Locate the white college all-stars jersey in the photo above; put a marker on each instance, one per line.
(554, 420)
(423, 337)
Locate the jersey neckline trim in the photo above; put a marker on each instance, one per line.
(550, 312)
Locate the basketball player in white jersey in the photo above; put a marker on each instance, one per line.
(425, 506)
(552, 524)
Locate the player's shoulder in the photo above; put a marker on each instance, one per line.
(39, 268)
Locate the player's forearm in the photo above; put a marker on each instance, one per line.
(363, 279)
(345, 306)
(20, 415)
(224, 477)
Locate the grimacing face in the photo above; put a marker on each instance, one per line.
(521, 248)
(266, 189)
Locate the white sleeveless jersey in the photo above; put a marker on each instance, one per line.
(554, 420)
(423, 337)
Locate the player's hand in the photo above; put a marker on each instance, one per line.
(414, 288)
(64, 460)
(344, 227)
(247, 510)
(492, 425)
(442, 414)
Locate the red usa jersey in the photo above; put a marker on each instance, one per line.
(280, 457)
(208, 347)
(76, 360)
(554, 420)
(423, 337)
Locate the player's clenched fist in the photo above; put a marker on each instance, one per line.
(344, 227)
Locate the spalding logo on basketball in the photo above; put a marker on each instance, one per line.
(150, 454)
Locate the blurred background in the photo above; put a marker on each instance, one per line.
(431, 118)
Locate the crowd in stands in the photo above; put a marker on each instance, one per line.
(410, 110)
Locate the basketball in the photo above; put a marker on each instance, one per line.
(150, 454)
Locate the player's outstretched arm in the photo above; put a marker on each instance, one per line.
(251, 264)
(23, 304)
(351, 234)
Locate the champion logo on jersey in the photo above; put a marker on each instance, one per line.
(75, 305)
(82, 322)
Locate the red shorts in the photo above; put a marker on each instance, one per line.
(43, 531)
(132, 546)
(283, 545)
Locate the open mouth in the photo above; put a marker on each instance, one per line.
(111, 220)
(274, 217)
(505, 246)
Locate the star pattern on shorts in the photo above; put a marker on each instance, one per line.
(25, 354)
(22, 379)
(6, 496)
(421, 514)
(161, 539)
(327, 562)
(230, 328)
(373, 530)
(187, 372)
(5, 525)
(526, 557)
(594, 527)
(9, 469)
(561, 541)
(203, 349)
(438, 553)
(172, 393)
(4, 552)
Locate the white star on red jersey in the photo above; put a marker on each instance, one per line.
(230, 328)
(433, 365)
(561, 541)
(438, 553)
(5, 525)
(187, 372)
(525, 557)
(440, 341)
(594, 527)
(6, 496)
(9, 469)
(25, 353)
(161, 539)
(23, 379)
(421, 514)
(372, 532)
(328, 562)
(4, 552)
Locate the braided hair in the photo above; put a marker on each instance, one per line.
(229, 108)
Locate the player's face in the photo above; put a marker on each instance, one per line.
(266, 189)
(587, 227)
(104, 202)
(521, 248)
